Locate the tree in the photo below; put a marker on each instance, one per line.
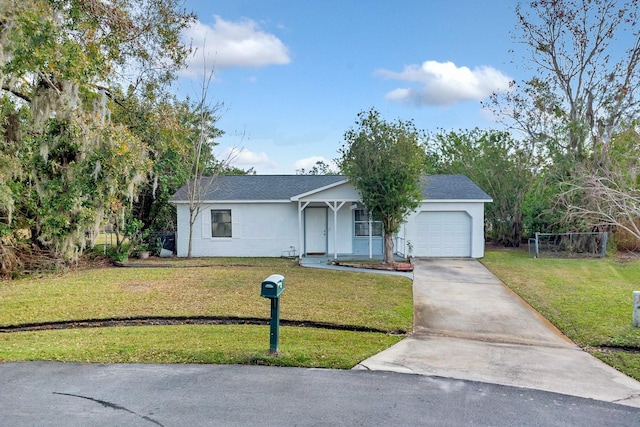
(586, 87)
(384, 161)
(203, 142)
(320, 168)
(65, 67)
(604, 193)
(170, 129)
(585, 56)
(479, 154)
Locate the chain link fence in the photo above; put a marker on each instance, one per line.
(568, 245)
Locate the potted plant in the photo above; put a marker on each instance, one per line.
(143, 252)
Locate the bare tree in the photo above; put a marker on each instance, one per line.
(585, 55)
(604, 192)
(602, 200)
(206, 169)
(198, 185)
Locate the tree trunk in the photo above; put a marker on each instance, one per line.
(388, 248)
(191, 223)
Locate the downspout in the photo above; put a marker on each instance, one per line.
(300, 209)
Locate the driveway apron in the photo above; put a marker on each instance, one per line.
(469, 325)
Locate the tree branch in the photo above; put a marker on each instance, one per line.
(16, 93)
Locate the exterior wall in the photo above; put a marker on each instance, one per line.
(342, 192)
(271, 229)
(259, 229)
(475, 210)
(361, 245)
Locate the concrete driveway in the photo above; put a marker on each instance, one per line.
(468, 325)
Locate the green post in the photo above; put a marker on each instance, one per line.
(275, 325)
(272, 288)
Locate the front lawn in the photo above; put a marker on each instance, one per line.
(589, 300)
(230, 288)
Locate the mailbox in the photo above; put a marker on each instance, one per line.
(272, 286)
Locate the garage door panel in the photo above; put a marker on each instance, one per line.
(443, 234)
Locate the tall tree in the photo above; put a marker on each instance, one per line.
(206, 114)
(65, 67)
(585, 54)
(170, 127)
(479, 154)
(384, 161)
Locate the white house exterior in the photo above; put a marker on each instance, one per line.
(300, 215)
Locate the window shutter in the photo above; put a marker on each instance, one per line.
(206, 223)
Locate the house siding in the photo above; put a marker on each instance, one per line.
(259, 230)
(475, 210)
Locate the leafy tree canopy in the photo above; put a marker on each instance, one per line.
(320, 168)
(480, 154)
(76, 78)
(384, 161)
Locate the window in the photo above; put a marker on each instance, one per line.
(361, 224)
(221, 223)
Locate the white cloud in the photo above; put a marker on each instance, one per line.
(245, 159)
(229, 44)
(444, 83)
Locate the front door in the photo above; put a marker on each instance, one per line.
(315, 231)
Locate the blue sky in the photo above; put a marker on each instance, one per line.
(294, 74)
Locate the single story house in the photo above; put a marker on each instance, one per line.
(300, 215)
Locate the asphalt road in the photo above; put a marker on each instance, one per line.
(66, 394)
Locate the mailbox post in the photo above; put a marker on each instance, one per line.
(272, 288)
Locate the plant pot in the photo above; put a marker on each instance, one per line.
(144, 254)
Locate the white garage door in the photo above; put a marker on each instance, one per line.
(443, 234)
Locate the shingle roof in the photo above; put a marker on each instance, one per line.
(284, 187)
(452, 187)
(261, 187)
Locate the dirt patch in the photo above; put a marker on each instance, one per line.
(624, 349)
(200, 320)
(401, 266)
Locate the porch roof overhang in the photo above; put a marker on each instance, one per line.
(317, 190)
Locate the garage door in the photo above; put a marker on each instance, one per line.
(443, 234)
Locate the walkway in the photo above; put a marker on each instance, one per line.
(324, 262)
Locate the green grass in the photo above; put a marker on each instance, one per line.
(219, 288)
(589, 300)
(195, 344)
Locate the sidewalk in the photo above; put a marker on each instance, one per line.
(468, 325)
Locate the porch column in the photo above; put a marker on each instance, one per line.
(335, 208)
(370, 237)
